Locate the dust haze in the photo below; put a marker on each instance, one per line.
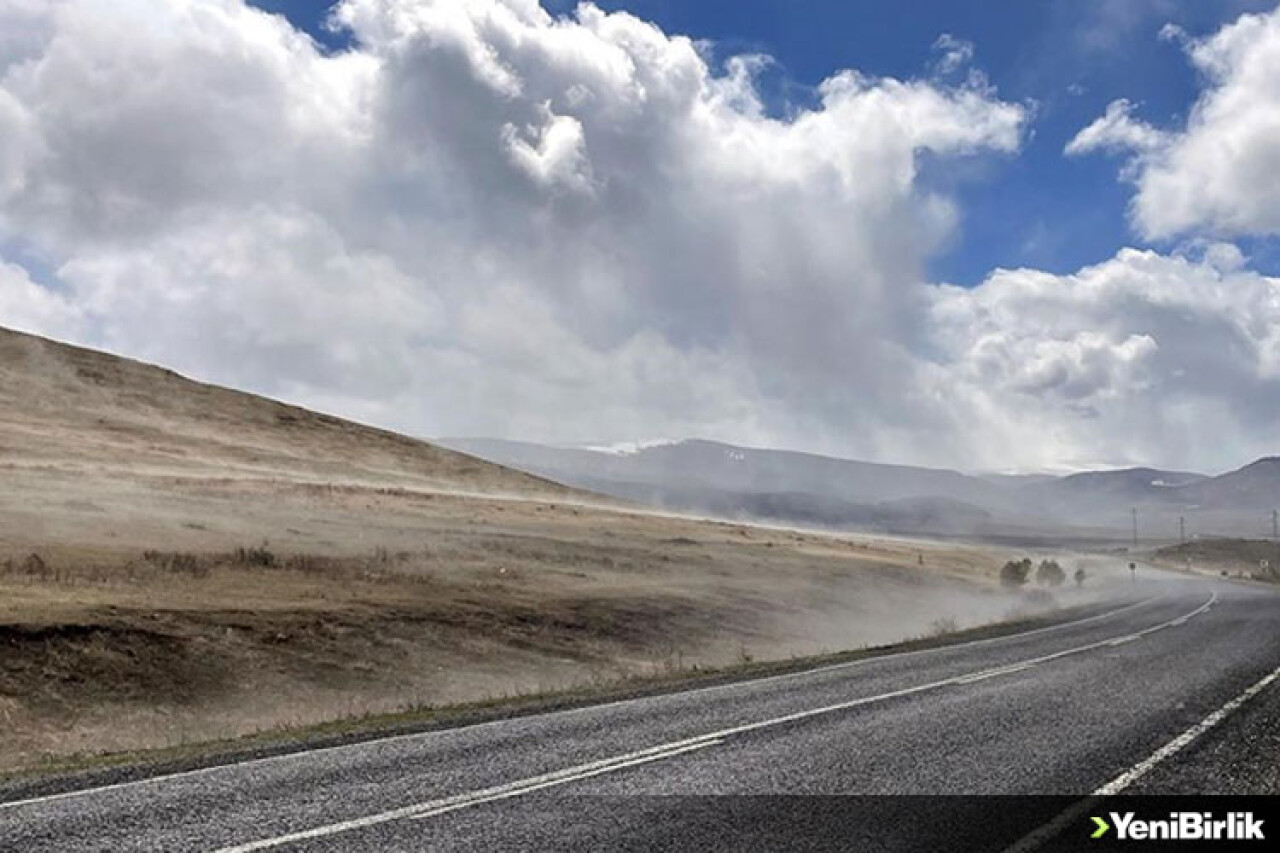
(181, 563)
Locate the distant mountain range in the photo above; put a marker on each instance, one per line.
(804, 488)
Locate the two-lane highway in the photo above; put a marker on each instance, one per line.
(1134, 697)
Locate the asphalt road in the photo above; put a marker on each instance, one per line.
(1174, 692)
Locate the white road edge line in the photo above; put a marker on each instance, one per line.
(609, 765)
(267, 759)
(1037, 837)
(1173, 747)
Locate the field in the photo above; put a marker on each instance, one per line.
(180, 563)
(1258, 559)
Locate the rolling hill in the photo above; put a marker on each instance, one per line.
(775, 485)
(805, 488)
(71, 409)
(185, 562)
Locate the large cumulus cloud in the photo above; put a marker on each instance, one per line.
(485, 219)
(1147, 357)
(481, 216)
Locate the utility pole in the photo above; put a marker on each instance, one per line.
(1182, 529)
(1135, 526)
(1275, 537)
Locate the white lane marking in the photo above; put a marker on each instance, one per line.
(391, 739)
(488, 795)
(1173, 747)
(992, 673)
(609, 765)
(1037, 837)
(553, 782)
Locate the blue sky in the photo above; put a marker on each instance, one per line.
(1070, 58)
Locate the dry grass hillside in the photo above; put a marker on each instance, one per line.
(181, 562)
(76, 410)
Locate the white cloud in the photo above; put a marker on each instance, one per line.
(554, 153)
(1117, 130)
(1220, 174)
(268, 298)
(1142, 358)
(1172, 32)
(952, 54)
(28, 307)
(483, 219)
(481, 216)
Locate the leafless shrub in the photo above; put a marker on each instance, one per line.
(35, 566)
(259, 557)
(309, 564)
(943, 625)
(32, 566)
(178, 562)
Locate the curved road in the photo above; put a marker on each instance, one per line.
(1174, 691)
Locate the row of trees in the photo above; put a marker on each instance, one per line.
(1016, 573)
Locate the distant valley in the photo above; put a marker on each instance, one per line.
(775, 485)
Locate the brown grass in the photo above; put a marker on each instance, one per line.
(183, 563)
(1258, 559)
(106, 649)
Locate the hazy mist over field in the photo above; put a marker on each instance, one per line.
(797, 488)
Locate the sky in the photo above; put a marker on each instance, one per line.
(1020, 236)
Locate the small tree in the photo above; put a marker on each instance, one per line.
(1050, 573)
(1080, 576)
(1014, 574)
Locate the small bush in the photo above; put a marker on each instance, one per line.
(1014, 574)
(1050, 573)
(260, 557)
